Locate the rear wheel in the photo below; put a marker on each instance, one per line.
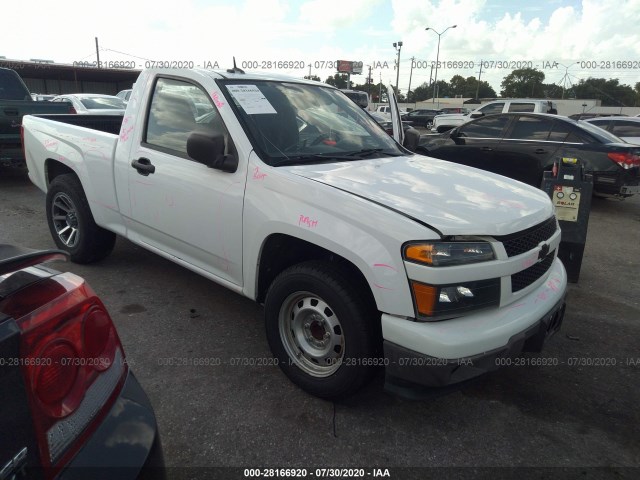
(321, 330)
(71, 223)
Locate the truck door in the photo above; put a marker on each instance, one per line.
(179, 206)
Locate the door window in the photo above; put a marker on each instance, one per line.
(625, 128)
(485, 127)
(531, 128)
(521, 107)
(177, 110)
(492, 108)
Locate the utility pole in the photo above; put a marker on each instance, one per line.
(309, 70)
(380, 94)
(369, 81)
(431, 76)
(97, 52)
(410, 75)
(479, 77)
(398, 47)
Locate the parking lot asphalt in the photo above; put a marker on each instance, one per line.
(201, 354)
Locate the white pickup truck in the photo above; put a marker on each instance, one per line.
(364, 254)
(445, 122)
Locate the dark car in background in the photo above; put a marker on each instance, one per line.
(71, 407)
(421, 117)
(524, 145)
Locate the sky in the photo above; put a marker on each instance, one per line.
(567, 39)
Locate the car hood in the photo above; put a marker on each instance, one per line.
(453, 199)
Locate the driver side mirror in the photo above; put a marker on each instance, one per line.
(208, 148)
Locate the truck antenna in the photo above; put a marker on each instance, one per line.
(234, 69)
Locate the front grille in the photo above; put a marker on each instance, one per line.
(526, 277)
(528, 239)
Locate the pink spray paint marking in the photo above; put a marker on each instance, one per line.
(50, 144)
(89, 140)
(258, 175)
(528, 263)
(216, 99)
(381, 287)
(384, 265)
(306, 221)
(124, 134)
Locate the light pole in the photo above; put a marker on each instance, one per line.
(435, 82)
(398, 47)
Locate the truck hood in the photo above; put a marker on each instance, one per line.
(453, 199)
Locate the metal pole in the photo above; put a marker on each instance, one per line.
(479, 77)
(435, 82)
(97, 52)
(410, 75)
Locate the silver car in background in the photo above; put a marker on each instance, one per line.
(93, 103)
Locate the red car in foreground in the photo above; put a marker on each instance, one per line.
(71, 407)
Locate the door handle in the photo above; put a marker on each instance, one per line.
(540, 150)
(143, 166)
(11, 111)
(487, 149)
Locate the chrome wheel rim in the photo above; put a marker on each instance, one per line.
(65, 219)
(311, 334)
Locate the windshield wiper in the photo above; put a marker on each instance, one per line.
(315, 157)
(370, 151)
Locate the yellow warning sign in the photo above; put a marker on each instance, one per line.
(567, 202)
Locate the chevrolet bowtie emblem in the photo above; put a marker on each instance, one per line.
(544, 251)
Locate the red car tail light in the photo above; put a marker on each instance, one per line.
(73, 362)
(624, 159)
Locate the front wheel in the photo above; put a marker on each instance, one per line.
(71, 223)
(322, 330)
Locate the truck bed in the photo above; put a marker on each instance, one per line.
(11, 114)
(103, 123)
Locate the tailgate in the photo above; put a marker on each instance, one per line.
(11, 113)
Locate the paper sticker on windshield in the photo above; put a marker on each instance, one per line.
(251, 99)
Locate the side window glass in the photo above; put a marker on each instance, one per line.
(560, 132)
(177, 110)
(485, 127)
(493, 108)
(521, 107)
(626, 129)
(531, 128)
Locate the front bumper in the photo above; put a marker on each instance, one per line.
(126, 445)
(437, 354)
(407, 368)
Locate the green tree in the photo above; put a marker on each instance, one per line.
(313, 77)
(524, 82)
(610, 92)
(458, 85)
(339, 80)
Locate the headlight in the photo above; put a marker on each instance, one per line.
(438, 302)
(445, 254)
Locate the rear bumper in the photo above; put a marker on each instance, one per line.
(620, 183)
(126, 445)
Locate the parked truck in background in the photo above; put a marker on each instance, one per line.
(15, 102)
(364, 254)
(442, 123)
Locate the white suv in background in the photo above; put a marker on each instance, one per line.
(442, 123)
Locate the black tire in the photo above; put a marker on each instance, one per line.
(295, 324)
(71, 223)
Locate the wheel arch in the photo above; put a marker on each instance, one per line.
(280, 251)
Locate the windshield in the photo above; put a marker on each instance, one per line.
(106, 103)
(11, 88)
(601, 134)
(291, 123)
